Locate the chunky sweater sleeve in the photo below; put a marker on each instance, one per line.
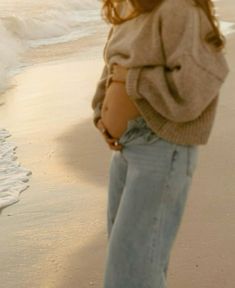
(99, 94)
(181, 88)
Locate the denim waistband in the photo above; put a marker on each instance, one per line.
(139, 133)
(138, 122)
(138, 129)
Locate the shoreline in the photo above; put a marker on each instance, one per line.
(66, 185)
(55, 236)
(57, 232)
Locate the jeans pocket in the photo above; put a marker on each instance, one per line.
(192, 159)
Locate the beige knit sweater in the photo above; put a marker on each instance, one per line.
(174, 76)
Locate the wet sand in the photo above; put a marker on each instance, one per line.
(55, 237)
(61, 217)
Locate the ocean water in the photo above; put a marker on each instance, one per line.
(25, 26)
(28, 26)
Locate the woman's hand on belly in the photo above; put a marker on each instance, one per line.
(108, 138)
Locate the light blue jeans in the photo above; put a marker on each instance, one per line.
(148, 185)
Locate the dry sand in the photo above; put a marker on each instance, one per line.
(55, 237)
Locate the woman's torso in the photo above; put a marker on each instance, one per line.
(117, 109)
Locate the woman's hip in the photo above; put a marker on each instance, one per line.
(144, 149)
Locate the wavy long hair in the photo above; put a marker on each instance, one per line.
(111, 14)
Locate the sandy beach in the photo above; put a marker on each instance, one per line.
(55, 236)
(63, 211)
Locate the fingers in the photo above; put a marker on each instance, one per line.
(100, 124)
(101, 127)
(113, 144)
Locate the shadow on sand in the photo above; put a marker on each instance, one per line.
(84, 151)
(86, 266)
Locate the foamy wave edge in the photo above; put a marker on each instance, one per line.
(63, 23)
(13, 178)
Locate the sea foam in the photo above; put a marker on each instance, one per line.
(10, 50)
(61, 22)
(13, 177)
(227, 27)
(22, 29)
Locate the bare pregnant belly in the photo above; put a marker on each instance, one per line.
(117, 109)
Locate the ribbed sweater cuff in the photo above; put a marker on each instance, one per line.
(132, 83)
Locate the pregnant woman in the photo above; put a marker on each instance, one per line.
(154, 105)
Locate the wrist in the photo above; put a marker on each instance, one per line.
(119, 73)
